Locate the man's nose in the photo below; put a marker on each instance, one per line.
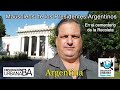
(70, 41)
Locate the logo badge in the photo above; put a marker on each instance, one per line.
(18, 71)
(106, 67)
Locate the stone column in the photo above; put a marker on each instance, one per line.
(46, 47)
(23, 44)
(30, 46)
(38, 46)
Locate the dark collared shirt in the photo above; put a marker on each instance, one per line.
(41, 70)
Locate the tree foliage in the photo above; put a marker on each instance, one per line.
(99, 42)
(52, 37)
(2, 27)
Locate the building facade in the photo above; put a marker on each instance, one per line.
(32, 40)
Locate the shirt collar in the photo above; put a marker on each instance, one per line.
(56, 62)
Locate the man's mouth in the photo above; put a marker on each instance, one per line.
(69, 48)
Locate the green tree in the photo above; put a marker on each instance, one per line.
(98, 43)
(2, 28)
(52, 37)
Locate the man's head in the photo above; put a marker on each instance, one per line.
(68, 39)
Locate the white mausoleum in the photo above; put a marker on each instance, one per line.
(32, 40)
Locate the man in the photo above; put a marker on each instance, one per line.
(68, 63)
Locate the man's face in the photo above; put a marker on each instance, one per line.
(69, 42)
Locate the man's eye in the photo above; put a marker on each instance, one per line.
(75, 36)
(64, 36)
